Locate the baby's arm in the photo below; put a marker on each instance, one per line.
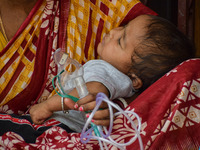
(100, 77)
(40, 112)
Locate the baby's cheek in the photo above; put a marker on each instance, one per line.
(99, 49)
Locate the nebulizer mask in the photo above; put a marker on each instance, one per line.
(68, 80)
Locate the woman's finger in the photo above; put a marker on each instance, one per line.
(91, 105)
(105, 122)
(86, 99)
(100, 114)
(69, 103)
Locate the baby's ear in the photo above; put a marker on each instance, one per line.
(137, 82)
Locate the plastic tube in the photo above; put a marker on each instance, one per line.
(86, 135)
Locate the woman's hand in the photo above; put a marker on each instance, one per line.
(88, 103)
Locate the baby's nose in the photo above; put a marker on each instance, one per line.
(111, 34)
(116, 31)
(108, 35)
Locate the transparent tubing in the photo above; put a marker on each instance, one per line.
(82, 91)
(86, 135)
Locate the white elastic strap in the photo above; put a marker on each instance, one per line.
(123, 102)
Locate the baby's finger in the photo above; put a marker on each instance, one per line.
(38, 121)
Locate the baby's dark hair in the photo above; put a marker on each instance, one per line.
(163, 47)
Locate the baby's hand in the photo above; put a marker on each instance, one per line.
(39, 113)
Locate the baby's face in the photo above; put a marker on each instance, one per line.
(117, 46)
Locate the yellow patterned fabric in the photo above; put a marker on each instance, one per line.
(19, 59)
(86, 17)
(18, 51)
(3, 42)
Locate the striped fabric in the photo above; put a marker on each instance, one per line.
(26, 63)
(23, 61)
(17, 62)
(3, 42)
